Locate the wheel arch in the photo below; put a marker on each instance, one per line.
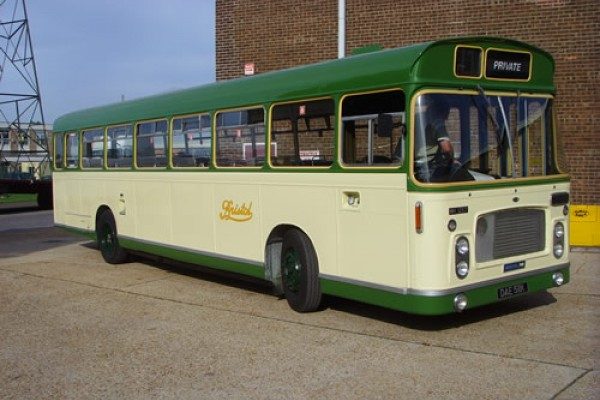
(273, 247)
(99, 211)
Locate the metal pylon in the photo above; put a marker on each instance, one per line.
(21, 115)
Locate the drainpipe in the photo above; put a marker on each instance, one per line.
(341, 28)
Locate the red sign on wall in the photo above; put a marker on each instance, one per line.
(249, 69)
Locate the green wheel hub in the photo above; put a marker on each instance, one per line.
(291, 270)
(107, 240)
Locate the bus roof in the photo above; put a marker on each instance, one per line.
(418, 64)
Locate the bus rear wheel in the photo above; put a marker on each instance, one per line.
(300, 272)
(108, 242)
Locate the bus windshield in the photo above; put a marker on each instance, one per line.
(483, 137)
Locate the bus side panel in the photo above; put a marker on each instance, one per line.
(152, 197)
(372, 241)
(309, 204)
(71, 198)
(192, 212)
(236, 219)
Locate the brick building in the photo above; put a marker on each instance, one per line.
(280, 34)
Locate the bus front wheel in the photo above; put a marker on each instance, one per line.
(300, 272)
(108, 243)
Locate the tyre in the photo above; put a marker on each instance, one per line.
(108, 242)
(44, 198)
(300, 272)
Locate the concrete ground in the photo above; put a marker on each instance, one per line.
(72, 326)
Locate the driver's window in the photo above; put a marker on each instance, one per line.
(373, 129)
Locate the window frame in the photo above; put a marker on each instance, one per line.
(335, 159)
(66, 156)
(481, 62)
(405, 158)
(104, 151)
(214, 144)
(62, 140)
(135, 144)
(172, 138)
(106, 128)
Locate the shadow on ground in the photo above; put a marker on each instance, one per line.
(19, 243)
(15, 208)
(417, 322)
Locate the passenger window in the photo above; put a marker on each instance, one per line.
(93, 148)
(59, 150)
(302, 134)
(119, 146)
(241, 138)
(373, 129)
(72, 156)
(151, 144)
(191, 141)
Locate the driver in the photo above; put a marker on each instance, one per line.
(437, 149)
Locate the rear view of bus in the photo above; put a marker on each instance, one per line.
(489, 194)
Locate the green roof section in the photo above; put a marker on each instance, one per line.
(418, 64)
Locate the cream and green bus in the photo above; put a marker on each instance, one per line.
(425, 179)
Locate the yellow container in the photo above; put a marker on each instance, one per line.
(585, 225)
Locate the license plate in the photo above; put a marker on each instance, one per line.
(512, 290)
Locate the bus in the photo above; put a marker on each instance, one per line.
(426, 179)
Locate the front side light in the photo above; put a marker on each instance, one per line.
(462, 269)
(462, 246)
(558, 278)
(460, 302)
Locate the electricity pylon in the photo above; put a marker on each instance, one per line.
(24, 157)
(23, 135)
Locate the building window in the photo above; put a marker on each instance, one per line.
(240, 140)
(191, 141)
(93, 148)
(303, 133)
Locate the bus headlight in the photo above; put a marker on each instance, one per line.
(558, 247)
(559, 230)
(462, 269)
(462, 246)
(461, 257)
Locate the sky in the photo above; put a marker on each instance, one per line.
(92, 52)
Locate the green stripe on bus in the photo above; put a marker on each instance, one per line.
(191, 257)
(435, 305)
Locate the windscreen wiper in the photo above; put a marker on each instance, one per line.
(500, 133)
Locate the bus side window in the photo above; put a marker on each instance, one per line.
(151, 144)
(72, 150)
(192, 141)
(59, 150)
(240, 139)
(373, 129)
(93, 148)
(302, 134)
(119, 146)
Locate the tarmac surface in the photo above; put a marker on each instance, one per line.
(72, 326)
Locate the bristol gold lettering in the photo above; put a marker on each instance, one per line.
(234, 212)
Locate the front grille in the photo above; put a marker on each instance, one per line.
(509, 233)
